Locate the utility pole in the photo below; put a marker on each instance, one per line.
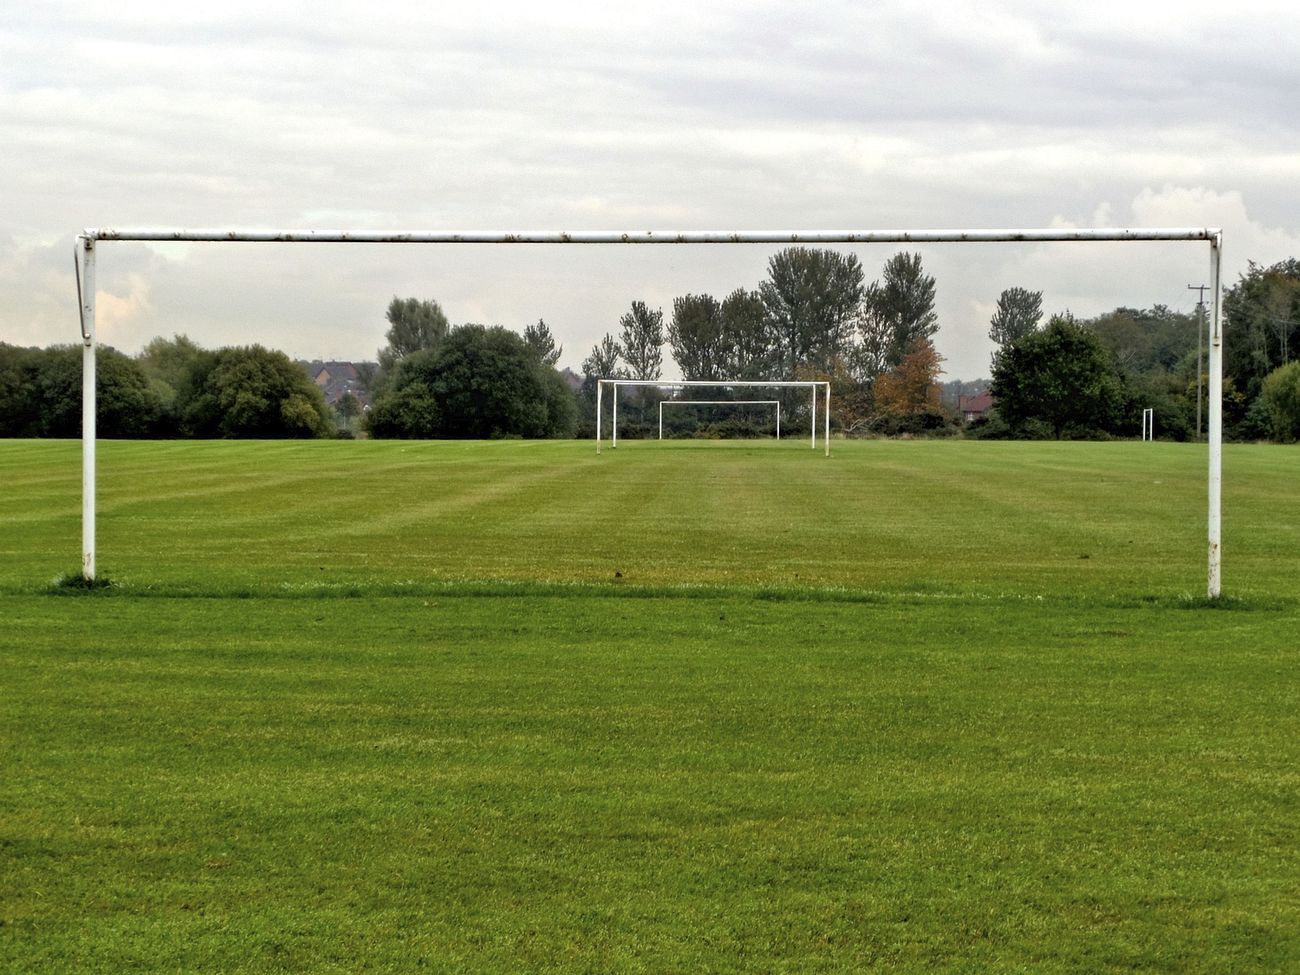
(1200, 346)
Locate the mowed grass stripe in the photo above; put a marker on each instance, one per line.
(944, 516)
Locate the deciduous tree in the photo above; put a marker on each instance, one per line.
(166, 361)
(1017, 314)
(605, 361)
(541, 341)
(1263, 317)
(40, 394)
(479, 383)
(903, 302)
(912, 385)
(250, 392)
(413, 325)
(750, 350)
(811, 297)
(1061, 376)
(1281, 394)
(698, 338)
(642, 341)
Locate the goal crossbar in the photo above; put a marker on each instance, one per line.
(720, 402)
(87, 240)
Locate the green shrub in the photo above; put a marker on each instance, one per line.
(1281, 396)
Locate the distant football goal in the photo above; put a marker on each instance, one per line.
(813, 386)
(87, 243)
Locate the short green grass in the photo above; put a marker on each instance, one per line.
(703, 707)
(1025, 518)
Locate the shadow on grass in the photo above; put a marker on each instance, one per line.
(914, 594)
(79, 583)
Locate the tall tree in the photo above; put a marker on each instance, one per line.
(165, 362)
(541, 341)
(697, 337)
(1060, 375)
(811, 297)
(875, 334)
(1017, 314)
(1263, 318)
(366, 373)
(750, 352)
(605, 361)
(642, 341)
(903, 301)
(413, 325)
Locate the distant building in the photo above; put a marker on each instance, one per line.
(974, 407)
(336, 379)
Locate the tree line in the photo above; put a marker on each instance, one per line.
(173, 388)
(1093, 377)
(814, 316)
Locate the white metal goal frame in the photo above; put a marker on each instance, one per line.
(720, 402)
(810, 384)
(88, 240)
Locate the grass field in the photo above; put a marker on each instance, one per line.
(688, 707)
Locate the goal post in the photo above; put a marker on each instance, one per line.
(86, 241)
(720, 402)
(810, 384)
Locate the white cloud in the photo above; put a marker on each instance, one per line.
(595, 116)
(1195, 206)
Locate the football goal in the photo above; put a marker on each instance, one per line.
(812, 385)
(720, 402)
(88, 241)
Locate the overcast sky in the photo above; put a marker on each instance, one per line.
(600, 116)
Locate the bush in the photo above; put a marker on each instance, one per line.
(1061, 376)
(1280, 395)
(405, 413)
(250, 392)
(930, 422)
(479, 383)
(993, 426)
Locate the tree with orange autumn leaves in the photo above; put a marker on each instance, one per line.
(911, 387)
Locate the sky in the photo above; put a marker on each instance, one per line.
(574, 116)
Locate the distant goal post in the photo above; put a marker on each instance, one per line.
(87, 241)
(720, 402)
(813, 385)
